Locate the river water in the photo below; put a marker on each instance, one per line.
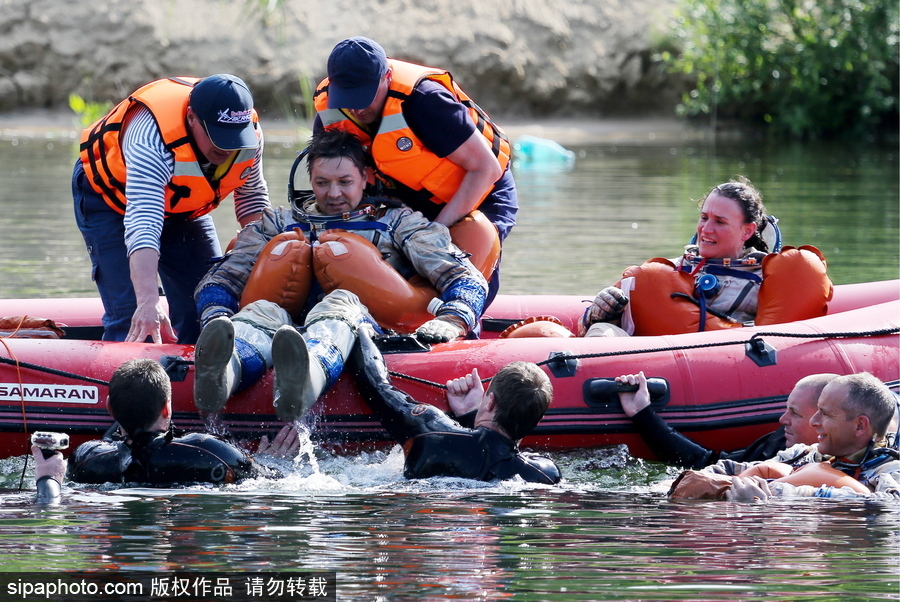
(607, 532)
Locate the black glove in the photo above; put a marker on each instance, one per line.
(607, 306)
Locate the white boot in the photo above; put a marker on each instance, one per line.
(217, 369)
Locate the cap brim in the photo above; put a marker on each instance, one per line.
(232, 138)
(351, 98)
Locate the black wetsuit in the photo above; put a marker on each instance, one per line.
(48, 490)
(161, 458)
(434, 443)
(672, 447)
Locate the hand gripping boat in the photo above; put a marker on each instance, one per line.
(723, 388)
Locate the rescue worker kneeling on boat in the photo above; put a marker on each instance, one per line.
(244, 335)
(728, 278)
(146, 448)
(482, 442)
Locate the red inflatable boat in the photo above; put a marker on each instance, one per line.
(722, 388)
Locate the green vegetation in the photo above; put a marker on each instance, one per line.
(299, 110)
(88, 112)
(266, 10)
(807, 68)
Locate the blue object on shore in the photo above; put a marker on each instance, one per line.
(536, 152)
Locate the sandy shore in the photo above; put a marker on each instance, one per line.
(61, 124)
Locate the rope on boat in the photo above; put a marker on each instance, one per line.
(756, 336)
(54, 371)
(564, 356)
(557, 358)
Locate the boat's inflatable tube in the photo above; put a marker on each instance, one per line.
(718, 394)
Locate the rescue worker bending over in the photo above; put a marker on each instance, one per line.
(437, 150)
(236, 347)
(147, 449)
(148, 175)
(482, 443)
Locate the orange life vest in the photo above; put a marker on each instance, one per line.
(654, 311)
(282, 273)
(288, 263)
(189, 191)
(397, 151)
(795, 286)
(693, 484)
(815, 474)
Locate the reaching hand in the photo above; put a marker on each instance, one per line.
(464, 393)
(440, 330)
(53, 467)
(607, 306)
(153, 321)
(749, 489)
(632, 403)
(285, 445)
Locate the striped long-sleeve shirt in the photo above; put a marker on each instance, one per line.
(149, 169)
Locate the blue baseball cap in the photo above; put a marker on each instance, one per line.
(224, 106)
(355, 68)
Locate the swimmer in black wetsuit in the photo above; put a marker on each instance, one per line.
(146, 448)
(483, 442)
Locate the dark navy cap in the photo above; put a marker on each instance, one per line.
(225, 108)
(355, 68)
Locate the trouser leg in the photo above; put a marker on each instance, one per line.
(103, 230)
(234, 353)
(307, 365)
(187, 248)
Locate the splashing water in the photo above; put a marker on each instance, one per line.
(307, 448)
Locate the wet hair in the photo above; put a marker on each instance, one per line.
(522, 392)
(868, 396)
(336, 144)
(750, 200)
(138, 391)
